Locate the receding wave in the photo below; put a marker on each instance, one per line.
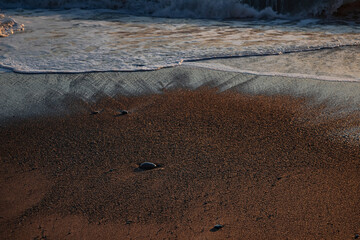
(202, 8)
(106, 40)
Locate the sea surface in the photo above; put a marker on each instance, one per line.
(265, 37)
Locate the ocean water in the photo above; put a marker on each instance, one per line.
(317, 39)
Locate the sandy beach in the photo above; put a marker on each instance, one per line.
(262, 166)
(169, 119)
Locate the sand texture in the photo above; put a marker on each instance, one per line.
(28, 95)
(265, 167)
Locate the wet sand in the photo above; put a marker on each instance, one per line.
(265, 167)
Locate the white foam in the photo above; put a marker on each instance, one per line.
(76, 41)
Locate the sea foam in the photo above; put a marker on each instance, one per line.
(74, 41)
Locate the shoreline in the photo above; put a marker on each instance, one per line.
(27, 95)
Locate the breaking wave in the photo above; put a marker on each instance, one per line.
(198, 8)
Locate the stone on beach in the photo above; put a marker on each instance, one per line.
(95, 112)
(123, 112)
(147, 166)
(217, 227)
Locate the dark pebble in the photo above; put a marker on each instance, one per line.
(94, 112)
(217, 227)
(122, 112)
(147, 166)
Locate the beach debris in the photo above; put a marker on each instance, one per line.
(9, 26)
(121, 112)
(357, 236)
(217, 227)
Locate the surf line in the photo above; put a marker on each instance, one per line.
(225, 68)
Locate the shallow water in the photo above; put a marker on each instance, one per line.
(78, 40)
(332, 64)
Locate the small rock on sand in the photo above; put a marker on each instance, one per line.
(95, 112)
(147, 165)
(122, 112)
(217, 227)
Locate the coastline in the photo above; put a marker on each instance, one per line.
(254, 153)
(27, 95)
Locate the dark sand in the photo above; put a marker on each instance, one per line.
(264, 167)
(351, 10)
